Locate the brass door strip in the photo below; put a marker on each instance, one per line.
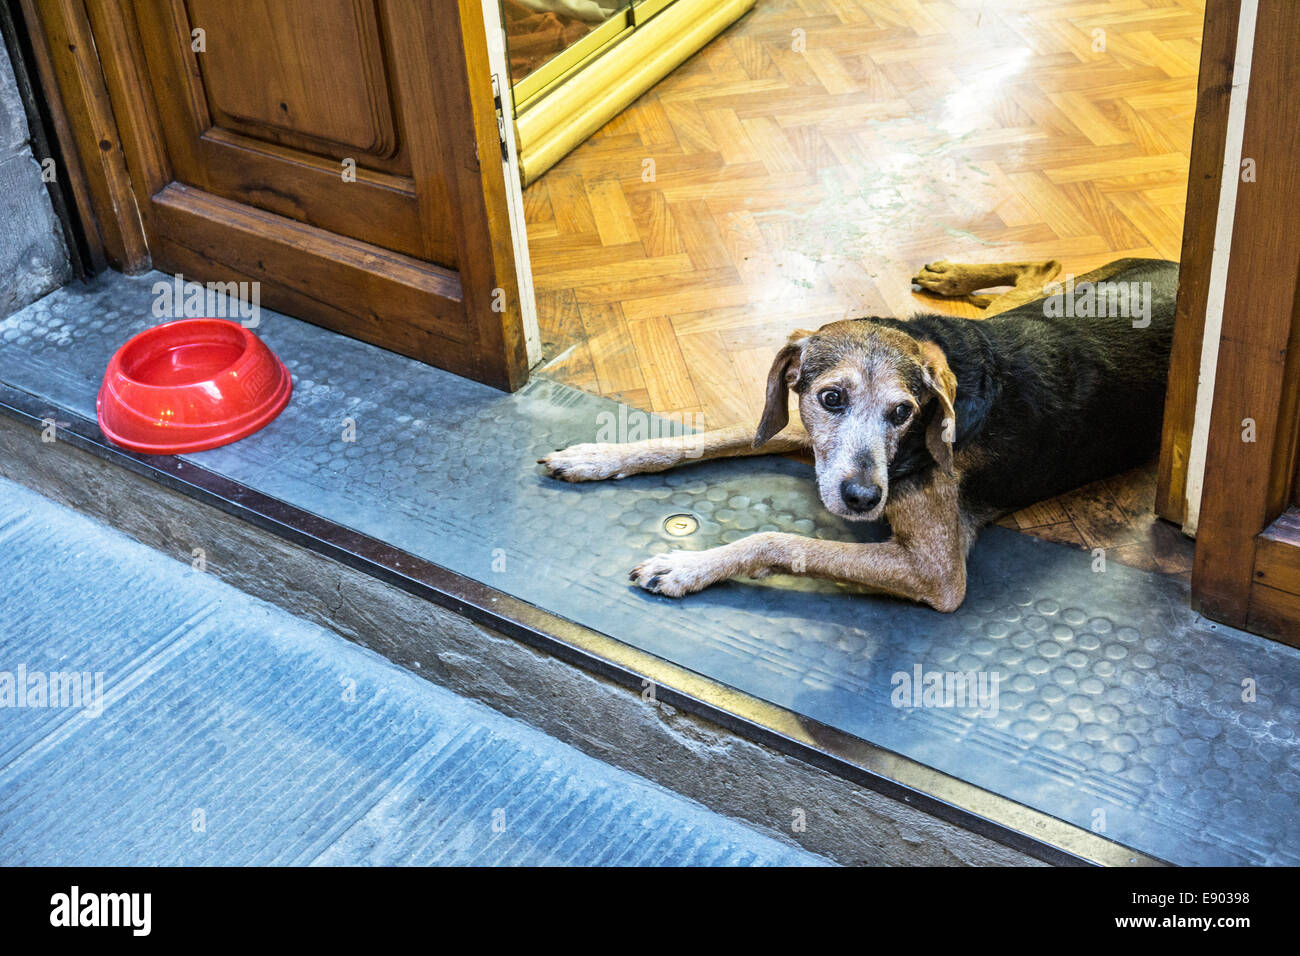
(543, 78)
(549, 126)
(643, 10)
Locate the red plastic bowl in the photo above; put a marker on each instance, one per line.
(190, 385)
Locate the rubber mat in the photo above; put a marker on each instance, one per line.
(223, 730)
(1118, 708)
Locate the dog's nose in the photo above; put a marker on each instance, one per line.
(859, 497)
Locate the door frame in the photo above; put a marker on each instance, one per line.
(1247, 564)
(1237, 334)
(93, 74)
(1200, 220)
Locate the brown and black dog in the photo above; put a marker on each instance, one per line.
(936, 424)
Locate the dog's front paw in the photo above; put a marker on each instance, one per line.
(675, 573)
(588, 462)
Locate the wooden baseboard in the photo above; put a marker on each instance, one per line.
(321, 268)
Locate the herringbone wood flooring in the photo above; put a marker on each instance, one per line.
(800, 167)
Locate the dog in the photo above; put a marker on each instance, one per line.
(936, 424)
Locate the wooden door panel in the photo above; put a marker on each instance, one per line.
(385, 210)
(1274, 603)
(236, 158)
(251, 83)
(268, 171)
(1275, 564)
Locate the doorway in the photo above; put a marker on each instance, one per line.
(802, 166)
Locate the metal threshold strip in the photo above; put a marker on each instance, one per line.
(852, 758)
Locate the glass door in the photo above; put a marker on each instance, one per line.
(643, 10)
(575, 64)
(547, 39)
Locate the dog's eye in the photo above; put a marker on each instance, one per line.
(832, 398)
(900, 413)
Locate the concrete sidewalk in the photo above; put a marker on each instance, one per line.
(197, 725)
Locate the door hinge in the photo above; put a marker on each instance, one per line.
(501, 117)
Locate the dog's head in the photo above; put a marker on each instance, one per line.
(862, 389)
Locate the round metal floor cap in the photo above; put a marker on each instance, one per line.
(681, 525)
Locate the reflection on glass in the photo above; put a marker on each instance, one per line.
(537, 30)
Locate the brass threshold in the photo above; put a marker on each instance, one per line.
(552, 125)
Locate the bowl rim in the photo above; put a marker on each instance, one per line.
(117, 365)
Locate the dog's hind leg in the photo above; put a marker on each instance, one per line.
(595, 462)
(962, 280)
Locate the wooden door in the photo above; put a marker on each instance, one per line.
(1247, 567)
(343, 153)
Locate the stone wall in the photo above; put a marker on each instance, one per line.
(33, 256)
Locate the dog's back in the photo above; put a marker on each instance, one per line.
(1049, 399)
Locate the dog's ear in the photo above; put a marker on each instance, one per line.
(942, 383)
(780, 378)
